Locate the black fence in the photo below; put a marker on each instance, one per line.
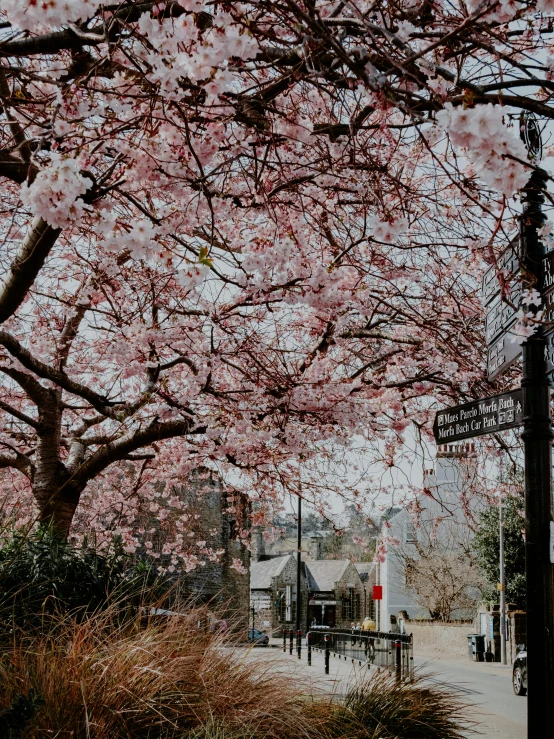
(379, 648)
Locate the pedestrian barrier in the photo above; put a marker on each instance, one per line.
(378, 648)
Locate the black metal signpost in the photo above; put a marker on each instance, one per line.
(528, 407)
(537, 440)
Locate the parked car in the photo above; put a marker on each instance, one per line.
(258, 637)
(519, 674)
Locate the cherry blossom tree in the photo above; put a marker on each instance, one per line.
(237, 235)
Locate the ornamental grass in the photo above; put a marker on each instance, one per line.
(170, 677)
(159, 678)
(382, 708)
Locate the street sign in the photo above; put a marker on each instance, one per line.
(260, 601)
(549, 352)
(508, 263)
(377, 592)
(485, 416)
(503, 349)
(502, 354)
(548, 272)
(548, 305)
(501, 314)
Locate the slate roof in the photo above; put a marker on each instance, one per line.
(262, 572)
(324, 573)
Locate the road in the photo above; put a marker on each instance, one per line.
(487, 686)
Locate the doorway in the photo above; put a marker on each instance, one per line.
(323, 615)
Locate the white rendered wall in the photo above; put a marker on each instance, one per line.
(448, 502)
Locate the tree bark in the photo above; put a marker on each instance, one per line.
(36, 246)
(58, 502)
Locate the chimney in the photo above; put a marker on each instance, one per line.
(315, 547)
(258, 545)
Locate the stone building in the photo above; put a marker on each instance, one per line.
(273, 597)
(332, 594)
(335, 593)
(218, 517)
(368, 575)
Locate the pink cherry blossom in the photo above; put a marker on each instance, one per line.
(237, 237)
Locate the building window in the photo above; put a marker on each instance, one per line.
(287, 610)
(411, 537)
(356, 597)
(351, 606)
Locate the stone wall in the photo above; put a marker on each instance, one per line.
(273, 612)
(264, 619)
(518, 632)
(517, 629)
(351, 576)
(437, 637)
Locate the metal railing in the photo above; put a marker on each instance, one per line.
(378, 648)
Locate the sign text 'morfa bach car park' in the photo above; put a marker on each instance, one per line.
(483, 416)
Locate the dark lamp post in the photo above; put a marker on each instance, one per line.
(298, 564)
(537, 440)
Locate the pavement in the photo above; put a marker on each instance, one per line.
(486, 686)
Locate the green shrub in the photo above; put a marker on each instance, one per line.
(42, 574)
(15, 717)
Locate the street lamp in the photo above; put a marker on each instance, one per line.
(298, 561)
(502, 582)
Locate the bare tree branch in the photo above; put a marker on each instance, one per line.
(19, 415)
(121, 448)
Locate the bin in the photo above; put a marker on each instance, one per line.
(476, 647)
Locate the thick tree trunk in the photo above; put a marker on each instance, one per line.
(56, 492)
(58, 503)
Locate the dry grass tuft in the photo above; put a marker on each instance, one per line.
(104, 677)
(167, 678)
(381, 708)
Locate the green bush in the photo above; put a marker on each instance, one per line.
(15, 718)
(486, 545)
(41, 574)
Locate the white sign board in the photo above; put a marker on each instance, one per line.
(323, 602)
